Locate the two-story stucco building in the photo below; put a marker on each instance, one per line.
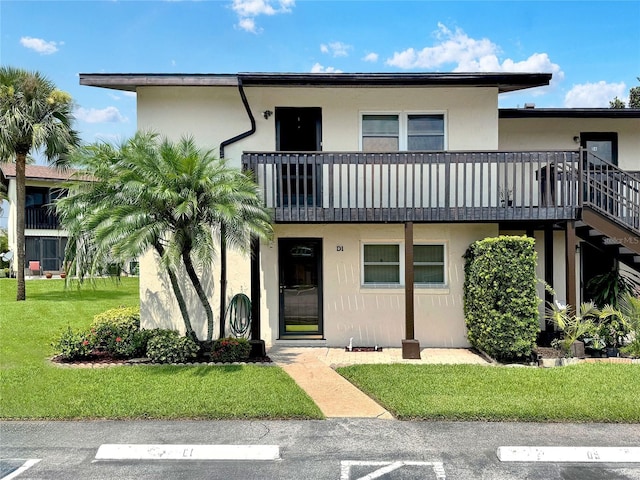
(45, 241)
(378, 184)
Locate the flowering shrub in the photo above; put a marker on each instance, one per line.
(73, 345)
(117, 331)
(230, 349)
(167, 346)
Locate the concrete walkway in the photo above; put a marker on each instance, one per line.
(312, 369)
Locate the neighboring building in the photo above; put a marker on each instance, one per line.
(364, 171)
(44, 240)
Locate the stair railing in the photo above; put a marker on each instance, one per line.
(611, 191)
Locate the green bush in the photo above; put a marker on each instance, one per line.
(73, 345)
(167, 346)
(629, 315)
(118, 332)
(500, 298)
(230, 349)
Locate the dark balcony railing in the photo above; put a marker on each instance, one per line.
(416, 186)
(613, 193)
(41, 218)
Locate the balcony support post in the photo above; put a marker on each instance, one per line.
(548, 277)
(570, 262)
(258, 349)
(410, 346)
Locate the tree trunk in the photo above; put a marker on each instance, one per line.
(21, 161)
(179, 298)
(195, 280)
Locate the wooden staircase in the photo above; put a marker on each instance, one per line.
(610, 214)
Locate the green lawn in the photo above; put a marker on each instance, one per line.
(580, 393)
(31, 387)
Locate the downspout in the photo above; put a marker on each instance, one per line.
(223, 244)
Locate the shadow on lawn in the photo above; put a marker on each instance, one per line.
(84, 295)
(195, 370)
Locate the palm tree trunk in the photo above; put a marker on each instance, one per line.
(195, 280)
(189, 332)
(21, 161)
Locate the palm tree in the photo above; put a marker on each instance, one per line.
(172, 197)
(33, 115)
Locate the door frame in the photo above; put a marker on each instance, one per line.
(282, 334)
(309, 114)
(601, 137)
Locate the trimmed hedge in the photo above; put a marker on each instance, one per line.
(118, 332)
(500, 298)
(167, 346)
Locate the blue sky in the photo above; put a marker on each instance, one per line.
(591, 47)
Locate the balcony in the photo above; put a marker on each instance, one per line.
(41, 218)
(418, 186)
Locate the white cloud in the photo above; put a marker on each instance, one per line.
(468, 54)
(593, 95)
(370, 57)
(317, 68)
(39, 45)
(130, 94)
(93, 115)
(337, 49)
(248, 25)
(248, 10)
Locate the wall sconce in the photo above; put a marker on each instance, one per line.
(266, 114)
(576, 139)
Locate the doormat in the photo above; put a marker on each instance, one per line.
(363, 349)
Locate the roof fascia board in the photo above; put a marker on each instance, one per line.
(569, 113)
(131, 81)
(504, 82)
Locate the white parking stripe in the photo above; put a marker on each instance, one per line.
(188, 452)
(570, 454)
(25, 466)
(387, 467)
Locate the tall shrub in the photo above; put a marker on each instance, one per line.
(500, 299)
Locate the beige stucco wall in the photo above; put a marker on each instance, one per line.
(558, 133)
(375, 315)
(214, 114)
(370, 316)
(159, 308)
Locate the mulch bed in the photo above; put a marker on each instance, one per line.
(104, 358)
(548, 352)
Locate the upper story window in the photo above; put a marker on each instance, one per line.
(36, 197)
(399, 132)
(380, 133)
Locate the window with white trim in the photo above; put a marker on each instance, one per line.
(383, 265)
(401, 132)
(429, 265)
